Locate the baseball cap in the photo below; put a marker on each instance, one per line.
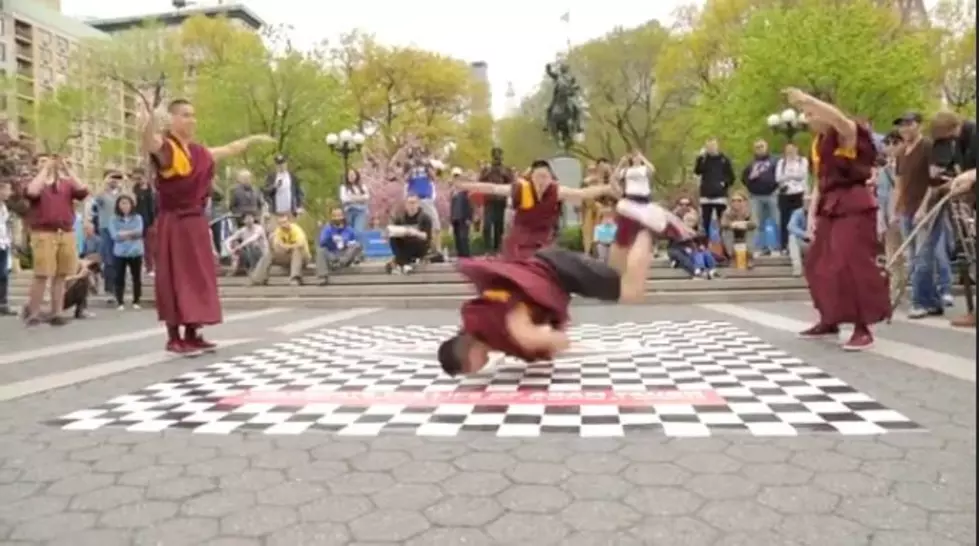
(456, 171)
(909, 117)
(280, 159)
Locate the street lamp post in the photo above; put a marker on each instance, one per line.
(345, 144)
(788, 123)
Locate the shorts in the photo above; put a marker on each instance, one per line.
(582, 275)
(55, 253)
(626, 229)
(428, 207)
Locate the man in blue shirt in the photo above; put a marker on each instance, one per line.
(799, 237)
(337, 247)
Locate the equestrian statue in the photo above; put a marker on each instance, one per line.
(564, 111)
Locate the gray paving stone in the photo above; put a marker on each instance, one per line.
(48, 473)
(360, 483)
(903, 471)
(388, 525)
(760, 538)
(177, 532)
(187, 455)
(650, 452)
(280, 459)
(339, 451)
(53, 526)
(139, 514)
(825, 461)
(750, 453)
(123, 463)
(815, 530)
(798, 499)
(33, 507)
(776, 474)
(291, 494)
(675, 531)
(960, 527)
(868, 450)
(738, 515)
(407, 496)
(232, 541)
(953, 497)
(464, 511)
(379, 461)
(851, 484)
(317, 471)
(664, 501)
(598, 538)
(538, 473)
(106, 498)
(310, 534)
(596, 463)
(475, 484)
(78, 484)
(597, 487)
(655, 474)
(98, 453)
(721, 486)
(534, 498)
(451, 536)
(599, 516)
(257, 521)
(218, 503)
(95, 537)
(883, 513)
(541, 453)
(150, 475)
(217, 467)
(424, 472)
(710, 463)
(485, 462)
(251, 480)
(537, 529)
(336, 508)
(180, 488)
(13, 492)
(912, 538)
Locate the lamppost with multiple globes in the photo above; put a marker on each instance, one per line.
(788, 123)
(345, 144)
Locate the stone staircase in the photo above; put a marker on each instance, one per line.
(439, 286)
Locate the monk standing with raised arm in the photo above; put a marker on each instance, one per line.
(186, 279)
(846, 284)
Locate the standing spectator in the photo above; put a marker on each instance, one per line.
(494, 207)
(6, 247)
(126, 229)
(716, 174)
(635, 174)
(247, 245)
(887, 220)
(104, 206)
(461, 215)
(759, 179)
(283, 190)
(52, 195)
(337, 247)
(217, 214)
(409, 233)
(604, 235)
(146, 208)
(792, 175)
(290, 248)
(798, 234)
(738, 226)
(354, 197)
(246, 200)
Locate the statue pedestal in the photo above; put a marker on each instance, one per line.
(570, 174)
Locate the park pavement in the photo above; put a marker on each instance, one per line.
(166, 486)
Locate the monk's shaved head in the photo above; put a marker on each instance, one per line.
(176, 104)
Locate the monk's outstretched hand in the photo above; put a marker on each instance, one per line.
(263, 139)
(795, 96)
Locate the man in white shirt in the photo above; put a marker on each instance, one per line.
(283, 190)
(6, 248)
(247, 245)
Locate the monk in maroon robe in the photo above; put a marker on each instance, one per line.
(846, 283)
(537, 207)
(522, 306)
(186, 277)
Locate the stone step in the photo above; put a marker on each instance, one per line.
(702, 295)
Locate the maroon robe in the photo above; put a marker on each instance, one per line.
(845, 281)
(186, 278)
(534, 219)
(503, 285)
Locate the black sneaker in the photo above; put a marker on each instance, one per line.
(57, 320)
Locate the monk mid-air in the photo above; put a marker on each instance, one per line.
(537, 206)
(846, 284)
(186, 278)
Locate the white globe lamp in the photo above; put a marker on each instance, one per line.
(332, 139)
(789, 116)
(345, 135)
(358, 139)
(774, 120)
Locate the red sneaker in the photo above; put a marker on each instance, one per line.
(178, 346)
(198, 343)
(859, 341)
(820, 330)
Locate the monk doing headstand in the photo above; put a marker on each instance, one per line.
(522, 306)
(186, 277)
(845, 281)
(537, 206)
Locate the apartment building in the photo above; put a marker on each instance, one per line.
(238, 13)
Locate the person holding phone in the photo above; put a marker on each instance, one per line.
(798, 235)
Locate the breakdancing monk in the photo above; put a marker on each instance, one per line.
(845, 281)
(537, 206)
(522, 306)
(186, 276)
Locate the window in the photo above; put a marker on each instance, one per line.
(45, 37)
(3, 51)
(62, 45)
(45, 56)
(3, 26)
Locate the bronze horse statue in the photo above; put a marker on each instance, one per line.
(563, 114)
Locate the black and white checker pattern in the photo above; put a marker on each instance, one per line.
(767, 391)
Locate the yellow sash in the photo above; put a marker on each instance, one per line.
(499, 296)
(526, 195)
(180, 165)
(815, 154)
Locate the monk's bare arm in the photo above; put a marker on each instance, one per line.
(151, 141)
(535, 338)
(37, 183)
(239, 146)
(583, 194)
(845, 127)
(499, 190)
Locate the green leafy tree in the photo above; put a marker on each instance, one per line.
(954, 40)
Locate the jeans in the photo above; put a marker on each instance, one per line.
(797, 248)
(764, 208)
(108, 260)
(460, 236)
(135, 266)
(927, 260)
(494, 211)
(704, 260)
(4, 277)
(356, 216)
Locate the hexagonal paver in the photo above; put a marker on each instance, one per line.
(252, 480)
(755, 538)
(339, 451)
(541, 453)
(753, 453)
(218, 504)
(177, 531)
(597, 487)
(94, 537)
(960, 527)
(650, 452)
(901, 471)
(476, 484)
(535, 529)
(851, 484)
(106, 498)
(708, 463)
(374, 461)
(534, 498)
(150, 475)
(824, 461)
(318, 471)
(675, 530)
(336, 508)
(186, 455)
(360, 483)
(599, 516)
(215, 468)
(884, 514)
(798, 499)
(909, 538)
(291, 494)
(138, 515)
(951, 497)
(868, 450)
(721, 486)
(407, 496)
(98, 453)
(76, 485)
(596, 463)
(451, 536)
(823, 529)
(664, 501)
(655, 474)
(388, 526)
(464, 512)
(738, 515)
(309, 533)
(257, 521)
(538, 473)
(180, 488)
(32, 507)
(423, 472)
(122, 463)
(486, 462)
(51, 472)
(53, 526)
(776, 474)
(601, 538)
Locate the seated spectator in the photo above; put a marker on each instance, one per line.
(338, 246)
(247, 245)
(408, 234)
(683, 206)
(691, 254)
(799, 236)
(604, 235)
(126, 230)
(91, 242)
(81, 284)
(290, 248)
(738, 226)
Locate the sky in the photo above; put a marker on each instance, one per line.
(515, 37)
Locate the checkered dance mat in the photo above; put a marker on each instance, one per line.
(682, 379)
